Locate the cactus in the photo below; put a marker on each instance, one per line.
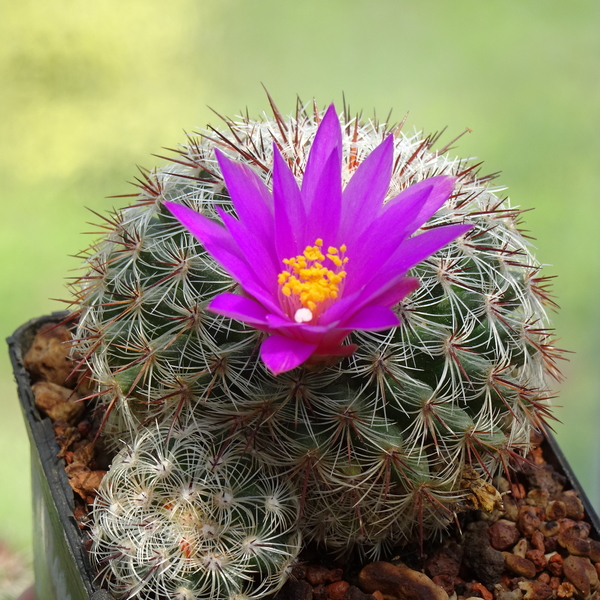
(382, 445)
(181, 517)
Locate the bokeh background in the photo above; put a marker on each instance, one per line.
(88, 90)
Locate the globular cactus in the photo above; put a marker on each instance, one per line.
(181, 517)
(382, 445)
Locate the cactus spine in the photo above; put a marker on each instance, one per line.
(379, 447)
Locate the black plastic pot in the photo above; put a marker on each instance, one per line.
(62, 569)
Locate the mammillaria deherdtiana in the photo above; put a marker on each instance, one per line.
(384, 404)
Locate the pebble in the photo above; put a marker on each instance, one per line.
(503, 534)
(528, 520)
(486, 562)
(48, 357)
(519, 565)
(521, 548)
(555, 564)
(445, 560)
(317, 575)
(569, 540)
(581, 573)
(337, 590)
(535, 590)
(57, 402)
(556, 510)
(399, 583)
(355, 593)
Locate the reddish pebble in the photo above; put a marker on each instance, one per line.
(535, 590)
(337, 590)
(556, 510)
(537, 558)
(544, 578)
(555, 565)
(317, 575)
(446, 582)
(519, 565)
(537, 541)
(377, 595)
(320, 592)
(554, 582)
(503, 534)
(336, 575)
(485, 593)
(528, 520)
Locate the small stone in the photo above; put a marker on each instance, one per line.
(446, 582)
(521, 548)
(486, 562)
(503, 534)
(337, 590)
(554, 582)
(556, 510)
(555, 564)
(537, 558)
(317, 575)
(528, 520)
(377, 595)
(581, 573)
(511, 508)
(594, 551)
(58, 403)
(335, 575)
(573, 505)
(549, 528)
(546, 478)
(320, 592)
(550, 544)
(565, 590)
(582, 528)
(445, 560)
(399, 583)
(84, 481)
(537, 497)
(536, 590)
(502, 592)
(537, 541)
(519, 565)
(573, 543)
(48, 357)
(355, 593)
(483, 591)
(298, 571)
(295, 590)
(544, 578)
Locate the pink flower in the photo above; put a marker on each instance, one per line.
(316, 263)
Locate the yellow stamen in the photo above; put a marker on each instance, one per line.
(310, 281)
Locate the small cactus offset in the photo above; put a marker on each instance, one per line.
(356, 310)
(179, 517)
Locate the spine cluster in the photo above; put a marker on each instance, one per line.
(378, 449)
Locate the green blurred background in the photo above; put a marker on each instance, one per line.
(90, 89)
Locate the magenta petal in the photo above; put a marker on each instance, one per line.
(327, 140)
(282, 354)
(250, 196)
(367, 188)
(410, 253)
(290, 217)
(380, 240)
(324, 214)
(219, 243)
(441, 186)
(372, 318)
(395, 291)
(239, 308)
(255, 250)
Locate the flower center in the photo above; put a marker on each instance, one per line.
(308, 285)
